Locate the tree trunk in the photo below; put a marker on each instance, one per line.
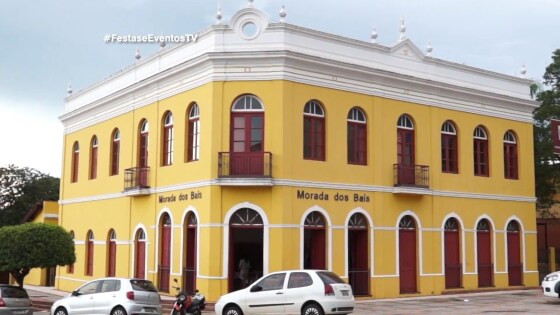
(19, 275)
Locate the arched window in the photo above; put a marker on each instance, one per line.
(313, 131)
(193, 137)
(449, 163)
(93, 158)
(115, 151)
(89, 253)
(75, 161)
(167, 139)
(111, 253)
(143, 133)
(70, 268)
(356, 137)
(480, 152)
(510, 155)
(405, 140)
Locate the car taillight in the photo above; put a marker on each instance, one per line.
(130, 295)
(30, 304)
(2, 303)
(329, 290)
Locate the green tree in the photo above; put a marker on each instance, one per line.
(547, 168)
(20, 189)
(34, 245)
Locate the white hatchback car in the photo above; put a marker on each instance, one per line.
(111, 296)
(551, 285)
(307, 292)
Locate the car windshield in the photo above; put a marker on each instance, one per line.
(14, 292)
(143, 285)
(329, 277)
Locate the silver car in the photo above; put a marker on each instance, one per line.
(111, 296)
(14, 301)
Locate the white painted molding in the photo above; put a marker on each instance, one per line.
(50, 216)
(71, 279)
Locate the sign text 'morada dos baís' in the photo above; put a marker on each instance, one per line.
(302, 194)
(193, 195)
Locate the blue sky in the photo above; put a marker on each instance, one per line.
(46, 44)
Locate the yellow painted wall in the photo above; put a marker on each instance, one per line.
(283, 105)
(37, 276)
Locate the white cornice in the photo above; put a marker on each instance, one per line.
(253, 182)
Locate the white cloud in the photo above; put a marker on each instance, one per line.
(30, 136)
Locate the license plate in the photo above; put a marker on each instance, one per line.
(344, 292)
(150, 310)
(19, 312)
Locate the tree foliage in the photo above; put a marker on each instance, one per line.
(20, 189)
(547, 164)
(34, 245)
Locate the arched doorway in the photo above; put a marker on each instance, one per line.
(190, 250)
(452, 254)
(140, 254)
(484, 253)
(314, 241)
(514, 254)
(164, 252)
(89, 253)
(111, 253)
(407, 255)
(358, 253)
(246, 233)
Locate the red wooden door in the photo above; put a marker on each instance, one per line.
(140, 266)
(165, 258)
(190, 263)
(452, 259)
(484, 259)
(407, 260)
(405, 155)
(514, 258)
(89, 267)
(358, 271)
(112, 259)
(247, 144)
(318, 249)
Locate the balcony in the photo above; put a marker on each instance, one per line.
(245, 168)
(136, 181)
(409, 178)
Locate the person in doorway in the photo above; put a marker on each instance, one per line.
(244, 267)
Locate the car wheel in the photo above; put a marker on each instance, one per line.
(60, 311)
(232, 310)
(118, 311)
(312, 309)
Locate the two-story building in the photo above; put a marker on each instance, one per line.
(266, 146)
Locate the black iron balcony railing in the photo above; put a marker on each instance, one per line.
(136, 178)
(244, 164)
(411, 175)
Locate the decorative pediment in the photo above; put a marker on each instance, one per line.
(407, 49)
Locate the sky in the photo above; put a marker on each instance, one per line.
(46, 44)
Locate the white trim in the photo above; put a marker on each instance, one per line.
(72, 279)
(212, 277)
(462, 235)
(419, 244)
(218, 225)
(370, 239)
(50, 216)
(384, 276)
(492, 235)
(187, 210)
(99, 242)
(307, 184)
(76, 242)
(285, 226)
(124, 242)
(139, 226)
(329, 235)
(225, 247)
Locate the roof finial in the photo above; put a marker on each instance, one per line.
(429, 49)
(162, 44)
(250, 3)
(374, 36)
(219, 15)
(137, 54)
(69, 90)
(523, 71)
(283, 14)
(402, 30)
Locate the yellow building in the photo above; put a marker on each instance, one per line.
(44, 212)
(265, 146)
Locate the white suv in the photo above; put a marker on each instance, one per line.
(308, 292)
(114, 296)
(551, 284)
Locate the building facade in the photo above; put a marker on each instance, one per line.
(266, 146)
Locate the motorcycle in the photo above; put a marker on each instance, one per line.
(187, 302)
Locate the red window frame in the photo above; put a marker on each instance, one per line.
(449, 160)
(143, 145)
(93, 158)
(75, 162)
(115, 152)
(510, 161)
(314, 138)
(251, 132)
(357, 143)
(167, 158)
(480, 150)
(89, 254)
(193, 135)
(405, 146)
